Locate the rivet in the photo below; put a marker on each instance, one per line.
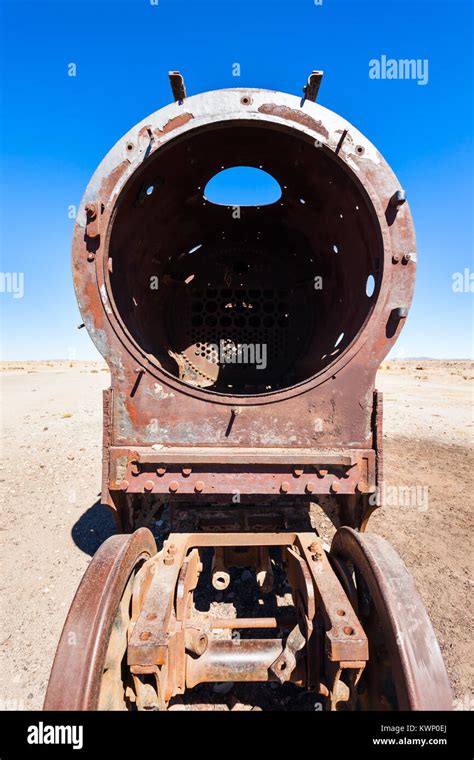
(151, 616)
(91, 257)
(407, 257)
(161, 471)
(395, 258)
(310, 487)
(174, 485)
(148, 485)
(297, 472)
(186, 471)
(145, 635)
(124, 485)
(335, 486)
(322, 473)
(199, 486)
(285, 487)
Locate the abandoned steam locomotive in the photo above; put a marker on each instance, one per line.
(242, 451)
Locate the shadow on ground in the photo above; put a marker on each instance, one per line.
(93, 528)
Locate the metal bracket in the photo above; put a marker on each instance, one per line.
(177, 86)
(285, 664)
(92, 220)
(311, 89)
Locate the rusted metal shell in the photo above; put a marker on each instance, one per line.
(144, 216)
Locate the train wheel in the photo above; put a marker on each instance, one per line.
(88, 672)
(405, 670)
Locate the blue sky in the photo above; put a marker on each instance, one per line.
(55, 128)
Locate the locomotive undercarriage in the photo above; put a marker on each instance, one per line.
(331, 620)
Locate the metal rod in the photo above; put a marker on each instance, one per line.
(229, 660)
(268, 622)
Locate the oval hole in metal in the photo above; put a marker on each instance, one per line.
(242, 186)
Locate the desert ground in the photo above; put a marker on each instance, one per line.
(52, 521)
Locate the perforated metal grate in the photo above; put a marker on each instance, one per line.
(238, 316)
(262, 328)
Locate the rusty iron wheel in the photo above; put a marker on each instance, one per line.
(88, 671)
(405, 669)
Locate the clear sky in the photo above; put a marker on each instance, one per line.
(56, 128)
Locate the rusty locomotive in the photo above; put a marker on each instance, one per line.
(240, 454)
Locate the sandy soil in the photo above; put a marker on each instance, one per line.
(52, 521)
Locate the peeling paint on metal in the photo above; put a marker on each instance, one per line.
(105, 299)
(160, 393)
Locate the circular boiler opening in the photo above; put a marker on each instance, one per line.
(244, 299)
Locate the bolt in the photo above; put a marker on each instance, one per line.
(145, 635)
(186, 471)
(161, 471)
(310, 487)
(201, 644)
(124, 485)
(395, 258)
(174, 485)
(335, 486)
(398, 198)
(195, 641)
(148, 485)
(285, 487)
(199, 486)
(401, 312)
